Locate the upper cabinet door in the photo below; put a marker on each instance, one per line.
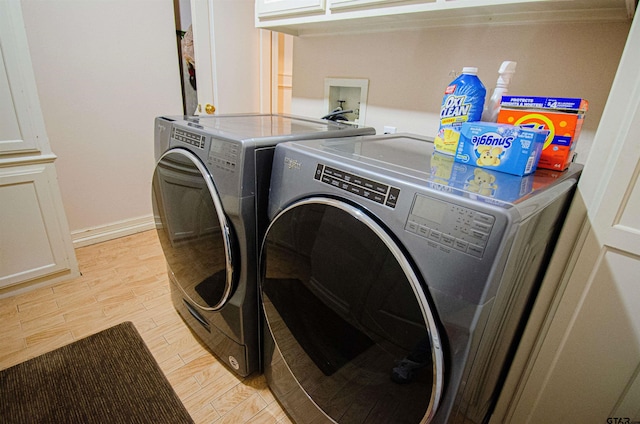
(288, 7)
(322, 17)
(21, 123)
(337, 4)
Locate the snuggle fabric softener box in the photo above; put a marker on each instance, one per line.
(500, 147)
(463, 101)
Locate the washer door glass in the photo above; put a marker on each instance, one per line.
(349, 315)
(193, 230)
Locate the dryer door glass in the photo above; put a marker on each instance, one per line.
(349, 316)
(193, 230)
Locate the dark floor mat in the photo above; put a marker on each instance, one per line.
(109, 377)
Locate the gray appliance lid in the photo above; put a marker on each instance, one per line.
(256, 126)
(413, 156)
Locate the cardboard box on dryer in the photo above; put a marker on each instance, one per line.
(500, 147)
(563, 117)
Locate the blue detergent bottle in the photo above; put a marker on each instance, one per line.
(463, 101)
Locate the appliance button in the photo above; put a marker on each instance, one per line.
(478, 234)
(423, 231)
(412, 226)
(392, 198)
(368, 184)
(460, 245)
(475, 250)
(381, 188)
(481, 226)
(355, 189)
(448, 240)
(435, 235)
(488, 219)
(378, 198)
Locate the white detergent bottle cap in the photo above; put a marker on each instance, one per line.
(470, 70)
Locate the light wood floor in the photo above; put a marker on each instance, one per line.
(125, 280)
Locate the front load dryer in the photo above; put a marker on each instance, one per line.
(396, 282)
(209, 194)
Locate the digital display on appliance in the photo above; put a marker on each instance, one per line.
(432, 210)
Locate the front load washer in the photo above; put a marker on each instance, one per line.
(209, 197)
(395, 282)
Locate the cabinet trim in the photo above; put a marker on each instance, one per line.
(17, 160)
(391, 16)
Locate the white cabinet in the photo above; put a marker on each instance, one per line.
(288, 7)
(35, 243)
(349, 16)
(19, 132)
(337, 4)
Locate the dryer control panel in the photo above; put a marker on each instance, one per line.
(457, 227)
(363, 187)
(192, 138)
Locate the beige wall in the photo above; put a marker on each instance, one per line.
(408, 70)
(104, 69)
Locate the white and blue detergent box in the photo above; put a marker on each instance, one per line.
(501, 147)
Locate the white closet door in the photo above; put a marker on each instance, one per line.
(587, 367)
(227, 55)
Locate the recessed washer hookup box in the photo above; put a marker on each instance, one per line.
(501, 147)
(562, 116)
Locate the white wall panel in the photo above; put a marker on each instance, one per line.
(104, 70)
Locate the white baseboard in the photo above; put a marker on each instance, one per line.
(112, 231)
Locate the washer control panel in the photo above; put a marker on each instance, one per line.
(189, 137)
(223, 154)
(456, 227)
(363, 187)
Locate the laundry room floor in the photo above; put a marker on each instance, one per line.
(125, 280)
